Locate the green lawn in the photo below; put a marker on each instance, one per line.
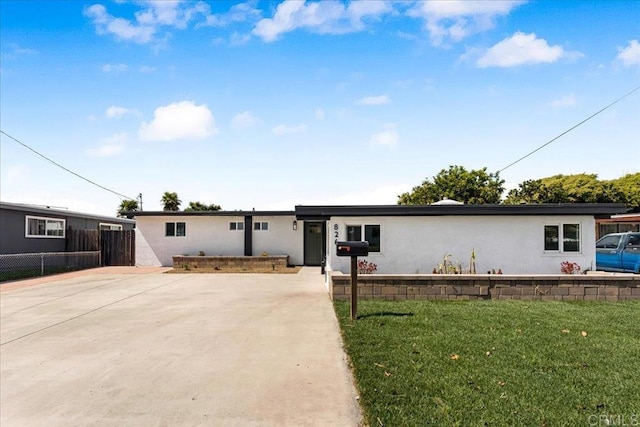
(495, 363)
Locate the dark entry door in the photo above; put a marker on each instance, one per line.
(313, 239)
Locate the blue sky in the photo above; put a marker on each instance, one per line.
(267, 105)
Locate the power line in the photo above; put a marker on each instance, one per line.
(570, 129)
(68, 170)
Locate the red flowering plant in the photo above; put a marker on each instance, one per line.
(365, 267)
(567, 267)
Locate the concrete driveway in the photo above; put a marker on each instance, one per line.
(174, 350)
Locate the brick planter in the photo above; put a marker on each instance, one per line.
(247, 263)
(487, 286)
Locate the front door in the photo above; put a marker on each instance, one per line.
(313, 242)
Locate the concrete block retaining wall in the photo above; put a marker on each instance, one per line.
(487, 286)
(276, 262)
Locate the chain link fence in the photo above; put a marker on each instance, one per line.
(20, 266)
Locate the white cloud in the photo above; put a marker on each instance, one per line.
(241, 12)
(179, 121)
(244, 120)
(565, 101)
(147, 69)
(521, 49)
(238, 39)
(319, 113)
(115, 112)
(110, 146)
(153, 16)
(630, 55)
(288, 130)
(115, 68)
(455, 20)
(325, 17)
(373, 100)
(387, 138)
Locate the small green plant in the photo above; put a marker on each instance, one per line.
(201, 253)
(186, 267)
(264, 254)
(472, 262)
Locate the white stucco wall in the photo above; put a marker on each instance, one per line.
(280, 238)
(514, 244)
(203, 233)
(211, 235)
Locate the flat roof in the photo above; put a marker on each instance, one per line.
(600, 210)
(44, 210)
(208, 213)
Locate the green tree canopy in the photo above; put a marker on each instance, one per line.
(579, 188)
(471, 187)
(170, 201)
(198, 206)
(127, 206)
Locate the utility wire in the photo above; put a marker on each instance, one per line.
(569, 130)
(68, 170)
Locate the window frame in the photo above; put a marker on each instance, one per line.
(175, 229)
(261, 226)
(236, 225)
(46, 220)
(363, 234)
(561, 240)
(109, 226)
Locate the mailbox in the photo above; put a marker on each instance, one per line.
(352, 248)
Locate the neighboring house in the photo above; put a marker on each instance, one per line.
(518, 239)
(618, 224)
(28, 228)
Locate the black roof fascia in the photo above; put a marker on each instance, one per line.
(598, 210)
(42, 210)
(208, 213)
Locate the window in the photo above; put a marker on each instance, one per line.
(609, 242)
(175, 229)
(371, 235)
(568, 234)
(107, 226)
(44, 227)
(236, 226)
(264, 226)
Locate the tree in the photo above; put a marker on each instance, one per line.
(579, 188)
(198, 206)
(127, 206)
(628, 187)
(472, 187)
(170, 201)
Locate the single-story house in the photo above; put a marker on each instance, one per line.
(29, 228)
(522, 239)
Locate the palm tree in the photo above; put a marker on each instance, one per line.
(170, 201)
(127, 206)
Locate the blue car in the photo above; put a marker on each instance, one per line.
(618, 252)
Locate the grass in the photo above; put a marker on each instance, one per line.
(495, 363)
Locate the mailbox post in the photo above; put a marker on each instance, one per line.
(353, 249)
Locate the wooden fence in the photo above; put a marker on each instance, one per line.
(116, 247)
